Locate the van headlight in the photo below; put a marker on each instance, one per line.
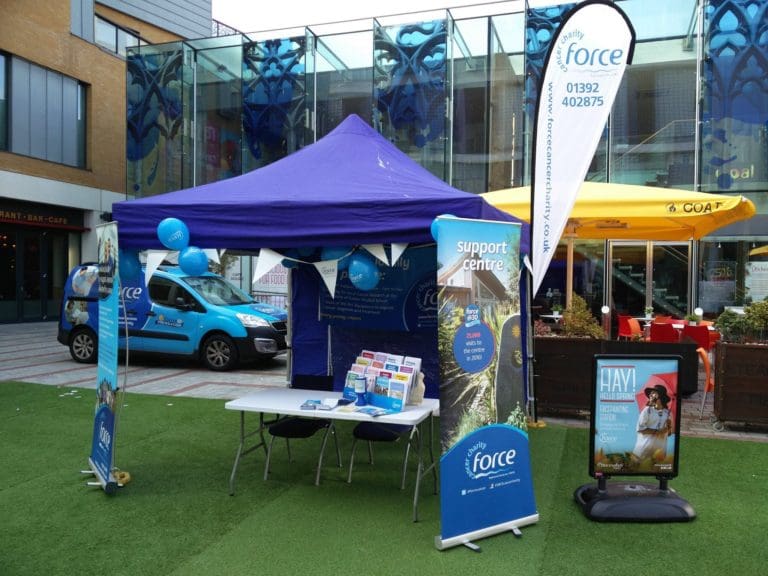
(251, 321)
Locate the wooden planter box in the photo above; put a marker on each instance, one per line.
(562, 370)
(741, 384)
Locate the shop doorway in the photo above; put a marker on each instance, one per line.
(36, 265)
(650, 274)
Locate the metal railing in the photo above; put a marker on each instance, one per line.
(221, 29)
(279, 299)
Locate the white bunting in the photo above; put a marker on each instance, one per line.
(328, 270)
(397, 250)
(378, 251)
(267, 260)
(154, 259)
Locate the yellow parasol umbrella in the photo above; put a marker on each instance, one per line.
(760, 250)
(623, 211)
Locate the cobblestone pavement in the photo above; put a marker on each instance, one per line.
(29, 352)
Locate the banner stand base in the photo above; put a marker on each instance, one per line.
(109, 485)
(467, 539)
(633, 502)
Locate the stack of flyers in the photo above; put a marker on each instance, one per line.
(373, 410)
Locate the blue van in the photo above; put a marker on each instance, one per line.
(202, 317)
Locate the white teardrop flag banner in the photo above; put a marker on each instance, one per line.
(581, 75)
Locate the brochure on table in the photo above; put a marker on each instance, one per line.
(386, 380)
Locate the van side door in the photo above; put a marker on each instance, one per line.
(174, 320)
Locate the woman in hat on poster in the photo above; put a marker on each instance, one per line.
(653, 426)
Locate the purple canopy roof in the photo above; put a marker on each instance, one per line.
(351, 187)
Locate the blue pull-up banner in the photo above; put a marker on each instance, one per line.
(485, 473)
(102, 447)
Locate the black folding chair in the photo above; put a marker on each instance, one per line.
(295, 427)
(379, 432)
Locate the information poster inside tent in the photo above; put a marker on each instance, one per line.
(636, 416)
(403, 299)
(485, 475)
(106, 385)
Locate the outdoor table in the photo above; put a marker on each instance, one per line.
(679, 327)
(288, 401)
(555, 317)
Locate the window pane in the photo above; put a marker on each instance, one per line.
(106, 35)
(123, 40)
(3, 106)
(653, 124)
(343, 79)
(126, 40)
(81, 125)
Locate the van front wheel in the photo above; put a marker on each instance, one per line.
(219, 353)
(83, 347)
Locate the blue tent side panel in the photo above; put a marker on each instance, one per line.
(309, 336)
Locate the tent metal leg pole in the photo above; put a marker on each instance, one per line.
(531, 392)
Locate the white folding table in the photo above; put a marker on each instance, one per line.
(288, 401)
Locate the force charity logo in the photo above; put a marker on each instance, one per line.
(575, 50)
(480, 464)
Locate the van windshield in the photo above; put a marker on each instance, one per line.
(217, 291)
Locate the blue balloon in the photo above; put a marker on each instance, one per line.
(193, 261)
(363, 272)
(434, 227)
(289, 262)
(337, 253)
(306, 250)
(128, 265)
(173, 234)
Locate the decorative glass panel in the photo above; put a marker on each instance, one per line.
(274, 98)
(410, 90)
(734, 145)
(540, 27)
(157, 103)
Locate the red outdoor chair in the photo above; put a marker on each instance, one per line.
(664, 332)
(635, 329)
(625, 332)
(699, 334)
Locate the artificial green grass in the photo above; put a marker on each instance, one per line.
(176, 515)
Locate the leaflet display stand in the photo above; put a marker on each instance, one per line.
(633, 502)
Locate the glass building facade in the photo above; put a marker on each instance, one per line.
(456, 90)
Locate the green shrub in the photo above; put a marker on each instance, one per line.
(578, 321)
(750, 327)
